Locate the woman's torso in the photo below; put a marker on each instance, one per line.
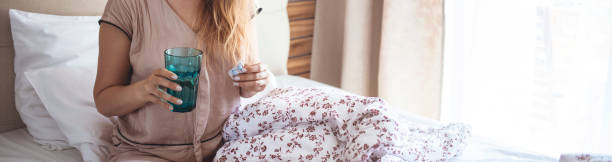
(156, 27)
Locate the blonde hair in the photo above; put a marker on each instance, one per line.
(222, 25)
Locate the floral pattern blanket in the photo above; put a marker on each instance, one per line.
(312, 124)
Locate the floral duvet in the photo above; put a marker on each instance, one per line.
(312, 124)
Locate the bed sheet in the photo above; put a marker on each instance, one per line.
(478, 148)
(19, 145)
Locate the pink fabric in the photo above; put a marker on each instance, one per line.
(310, 124)
(152, 130)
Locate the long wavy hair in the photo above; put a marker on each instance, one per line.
(222, 25)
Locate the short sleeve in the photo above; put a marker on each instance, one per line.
(121, 14)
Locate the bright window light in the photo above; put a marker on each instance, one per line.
(533, 74)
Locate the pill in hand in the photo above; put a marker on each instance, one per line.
(236, 70)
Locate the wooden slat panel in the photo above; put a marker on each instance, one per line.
(300, 47)
(305, 75)
(301, 28)
(301, 15)
(301, 9)
(299, 65)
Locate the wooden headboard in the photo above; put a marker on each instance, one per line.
(301, 21)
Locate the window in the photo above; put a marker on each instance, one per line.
(533, 74)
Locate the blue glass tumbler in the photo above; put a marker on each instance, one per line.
(185, 63)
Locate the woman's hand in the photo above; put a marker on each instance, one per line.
(152, 89)
(253, 80)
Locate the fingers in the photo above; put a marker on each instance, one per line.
(251, 84)
(160, 78)
(156, 100)
(162, 72)
(255, 68)
(250, 76)
(256, 88)
(162, 82)
(161, 94)
(254, 79)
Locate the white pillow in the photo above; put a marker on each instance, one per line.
(67, 93)
(42, 41)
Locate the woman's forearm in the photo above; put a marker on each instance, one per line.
(119, 100)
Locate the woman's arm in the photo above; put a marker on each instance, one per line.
(113, 93)
(255, 79)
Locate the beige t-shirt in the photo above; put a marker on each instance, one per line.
(153, 26)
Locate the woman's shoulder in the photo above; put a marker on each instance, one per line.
(136, 6)
(132, 5)
(133, 10)
(125, 14)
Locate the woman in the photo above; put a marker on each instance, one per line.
(133, 36)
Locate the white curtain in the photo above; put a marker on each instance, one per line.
(532, 74)
(386, 48)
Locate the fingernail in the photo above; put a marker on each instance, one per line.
(235, 84)
(179, 101)
(260, 82)
(170, 107)
(174, 77)
(259, 75)
(236, 78)
(179, 88)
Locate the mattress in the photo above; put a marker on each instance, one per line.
(18, 145)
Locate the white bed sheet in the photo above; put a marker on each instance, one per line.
(18, 145)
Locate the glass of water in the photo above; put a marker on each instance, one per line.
(186, 64)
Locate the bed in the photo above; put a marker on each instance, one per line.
(17, 144)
